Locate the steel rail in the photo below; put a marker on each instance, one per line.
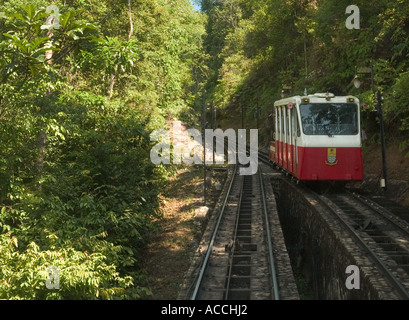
(213, 237)
(236, 227)
(383, 212)
(268, 236)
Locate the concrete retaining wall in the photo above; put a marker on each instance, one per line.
(321, 250)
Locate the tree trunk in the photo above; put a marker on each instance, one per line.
(42, 136)
(41, 147)
(49, 53)
(130, 21)
(112, 82)
(114, 75)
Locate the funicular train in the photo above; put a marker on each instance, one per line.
(318, 138)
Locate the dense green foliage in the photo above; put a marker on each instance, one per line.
(257, 47)
(79, 96)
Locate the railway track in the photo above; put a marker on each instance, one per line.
(384, 238)
(239, 261)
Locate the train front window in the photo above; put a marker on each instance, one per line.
(329, 118)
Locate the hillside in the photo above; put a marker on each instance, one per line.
(397, 172)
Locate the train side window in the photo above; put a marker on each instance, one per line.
(298, 126)
(283, 112)
(282, 125)
(284, 120)
(293, 123)
(277, 123)
(289, 114)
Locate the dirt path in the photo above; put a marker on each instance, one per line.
(168, 257)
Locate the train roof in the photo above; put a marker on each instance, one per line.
(317, 98)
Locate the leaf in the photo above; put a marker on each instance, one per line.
(9, 69)
(38, 42)
(14, 241)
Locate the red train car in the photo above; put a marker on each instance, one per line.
(318, 137)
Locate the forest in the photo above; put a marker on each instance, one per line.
(80, 92)
(83, 83)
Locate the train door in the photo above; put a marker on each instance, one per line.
(284, 135)
(297, 135)
(290, 150)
